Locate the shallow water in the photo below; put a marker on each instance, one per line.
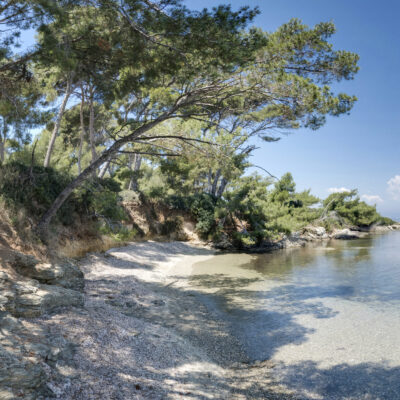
(328, 315)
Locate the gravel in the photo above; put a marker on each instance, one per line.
(144, 333)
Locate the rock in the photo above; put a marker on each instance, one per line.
(64, 274)
(293, 240)
(319, 231)
(158, 302)
(310, 233)
(380, 229)
(267, 246)
(23, 354)
(345, 234)
(223, 243)
(28, 298)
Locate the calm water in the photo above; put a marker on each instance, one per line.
(328, 316)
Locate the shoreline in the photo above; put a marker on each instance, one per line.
(312, 234)
(145, 333)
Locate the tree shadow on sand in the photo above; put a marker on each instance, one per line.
(369, 381)
(191, 378)
(234, 369)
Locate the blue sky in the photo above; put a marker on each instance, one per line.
(357, 151)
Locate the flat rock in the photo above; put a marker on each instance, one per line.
(345, 234)
(65, 273)
(28, 298)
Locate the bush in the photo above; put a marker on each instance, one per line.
(156, 193)
(387, 221)
(130, 196)
(348, 206)
(176, 202)
(119, 233)
(35, 189)
(201, 206)
(172, 225)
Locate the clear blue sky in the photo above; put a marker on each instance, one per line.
(357, 151)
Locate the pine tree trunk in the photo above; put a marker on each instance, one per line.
(130, 168)
(104, 169)
(222, 187)
(209, 184)
(3, 139)
(134, 184)
(215, 183)
(91, 126)
(1, 151)
(57, 123)
(2, 146)
(83, 132)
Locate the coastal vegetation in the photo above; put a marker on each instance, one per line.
(149, 102)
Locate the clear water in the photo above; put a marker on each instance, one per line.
(328, 316)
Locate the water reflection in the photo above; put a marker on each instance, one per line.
(342, 255)
(362, 270)
(335, 304)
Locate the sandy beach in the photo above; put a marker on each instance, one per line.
(144, 333)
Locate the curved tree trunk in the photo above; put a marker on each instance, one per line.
(42, 227)
(58, 123)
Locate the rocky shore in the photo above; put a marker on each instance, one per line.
(30, 289)
(308, 234)
(138, 331)
(125, 325)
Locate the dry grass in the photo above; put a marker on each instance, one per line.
(83, 237)
(72, 242)
(16, 233)
(78, 248)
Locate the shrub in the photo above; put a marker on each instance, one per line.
(201, 206)
(119, 232)
(156, 192)
(177, 202)
(130, 196)
(348, 206)
(35, 189)
(172, 225)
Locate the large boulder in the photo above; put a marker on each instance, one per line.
(64, 273)
(311, 232)
(28, 298)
